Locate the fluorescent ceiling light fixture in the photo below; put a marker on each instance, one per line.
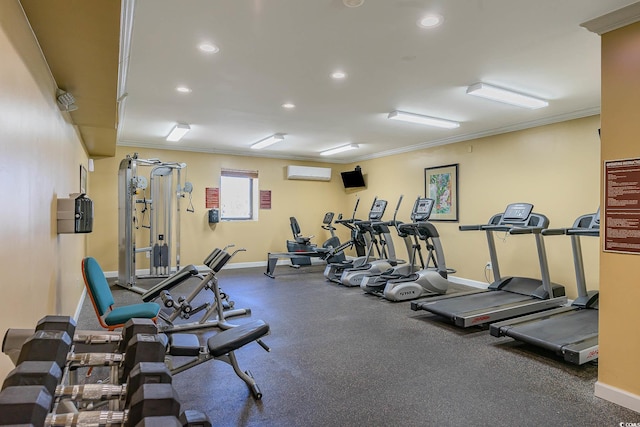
(268, 141)
(503, 95)
(423, 120)
(288, 105)
(183, 89)
(339, 149)
(178, 132)
(338, 75)
(208, 48)
(430, 21)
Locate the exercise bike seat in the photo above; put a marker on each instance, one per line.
(295, 229)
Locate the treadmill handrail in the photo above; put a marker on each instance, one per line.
(571, 232)
(476, 227)
(584, 232)
(526, 230)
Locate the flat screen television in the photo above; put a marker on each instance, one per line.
(352, 179)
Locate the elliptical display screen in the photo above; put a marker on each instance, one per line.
(517, 212)
(422, 210)
(377, 210)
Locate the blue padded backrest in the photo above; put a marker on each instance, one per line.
(98, 285)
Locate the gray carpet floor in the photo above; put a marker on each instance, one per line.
(343, 358)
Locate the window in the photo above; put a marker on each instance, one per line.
(238, 195)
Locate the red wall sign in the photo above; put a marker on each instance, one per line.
(265, 199)
(212, 198)
(622, 206)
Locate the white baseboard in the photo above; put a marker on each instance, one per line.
(76, 315)
(468, 282)
(617, 396)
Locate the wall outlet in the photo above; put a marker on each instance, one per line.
(488, 266)
(148, 254)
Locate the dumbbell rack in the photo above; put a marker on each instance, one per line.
(39, 390)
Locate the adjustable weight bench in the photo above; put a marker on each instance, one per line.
(220, 347)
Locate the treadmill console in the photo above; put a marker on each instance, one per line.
(421, 210)
(377, 210)
(516, 213)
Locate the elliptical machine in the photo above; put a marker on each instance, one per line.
(378, 230)
(432, 278)
(360, 238)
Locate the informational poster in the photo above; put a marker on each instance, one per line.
(622, 206)
(212, 198)
(265, 199)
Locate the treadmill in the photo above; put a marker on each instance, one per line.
(506, 297)
(570, 332)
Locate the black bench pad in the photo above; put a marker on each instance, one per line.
(170, 282)
(184, 345)
(234, 338)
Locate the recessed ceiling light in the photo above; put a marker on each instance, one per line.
(338, 75)
(183, 89)
(430, 21)
(208, 47)
(353, 3)
(288, 105)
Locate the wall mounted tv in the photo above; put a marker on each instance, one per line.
(353, 179)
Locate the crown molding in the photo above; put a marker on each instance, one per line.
(614, 20)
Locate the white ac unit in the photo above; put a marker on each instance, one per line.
(309, 173)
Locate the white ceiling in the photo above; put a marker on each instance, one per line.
(277, 51)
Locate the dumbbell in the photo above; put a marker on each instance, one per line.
(48, 374)
(55, 345)
(31, 405)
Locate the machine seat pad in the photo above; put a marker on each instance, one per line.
(184, 345)
(144, 310)
(234, 338)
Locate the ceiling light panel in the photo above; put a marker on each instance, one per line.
(340, 149)
(270, 140)
(338, 75)
(423, 120)
(506, 96)
(178, 132)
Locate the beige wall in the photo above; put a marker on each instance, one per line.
(555, 167)
(41, 155)
(620, 293)
(306, 200)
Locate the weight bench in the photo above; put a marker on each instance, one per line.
(220, 347)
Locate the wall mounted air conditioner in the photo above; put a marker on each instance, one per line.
(308, 173)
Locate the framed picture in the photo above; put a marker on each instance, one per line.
(83, 180)
(441, 185)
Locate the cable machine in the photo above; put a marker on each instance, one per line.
(149, 204)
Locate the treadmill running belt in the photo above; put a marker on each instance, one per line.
(555, 332)
(474, 303)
